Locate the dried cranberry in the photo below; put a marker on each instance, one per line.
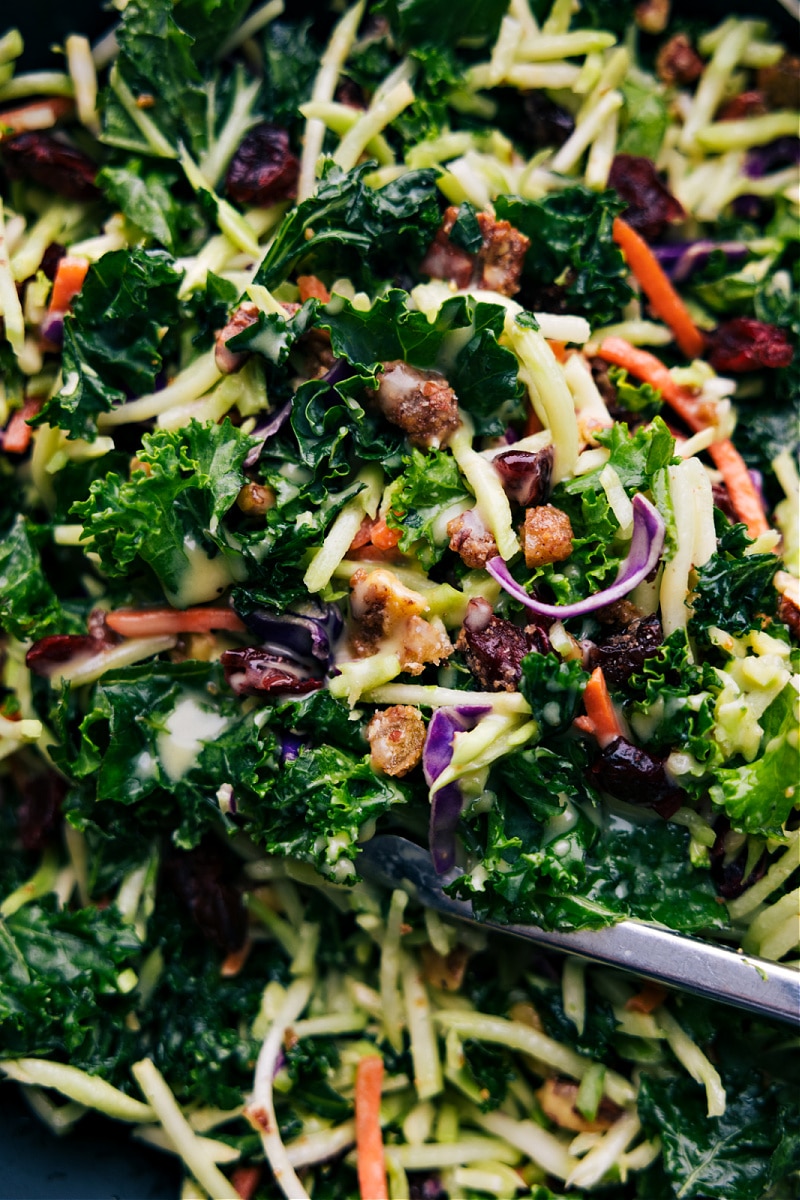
(199, 879)
(253, 671)
(350, 93)
(781, 82)
(50, 260)
(746, 104)
(546, 123)
(526, 477)
(39, 814)
(52, 164)
(745, 344)
(494, 648)
(637, 777)
(651, 207)
(623, 653)
(722, 500)
(729, 878)
(50, 652)
(263, 169)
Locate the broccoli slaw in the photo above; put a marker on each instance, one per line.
(399, 433)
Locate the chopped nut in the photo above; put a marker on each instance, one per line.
(678, 62)
(396, 737)
(557, 1098)
(652, 16)
(546, 535)
(446, 973)
(255, 499)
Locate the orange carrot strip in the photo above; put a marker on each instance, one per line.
(599, 707)
(18, 433)
(369, 1139)
(233, 962)
(310, 287)
(383, 537)
(741, 489)
(651, 997)
(559, 351)
(70, 274)
(654, 283)
(40, 114)
(152, 622)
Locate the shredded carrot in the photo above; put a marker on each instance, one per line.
(70, 274)
(600, 709)
(41, 114)
(233, 962)
(245, 1181)
(369, 1140)
(310, 287)
(152, 622)
(651, 997)
(383, 537)
(18, 433)
(559, 350)
(585, 725)
(654, 283)
(741, 489)
(374, 535)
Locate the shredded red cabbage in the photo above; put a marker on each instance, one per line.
(647, 542)
(448, 801)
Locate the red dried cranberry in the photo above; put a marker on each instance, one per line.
(546, 123)
(51, 652)
(50, 260)
(722, 501)
(729, 878)
(494, 648)
(39, 814)
(651, 207)
(637, 777)
(52, 164)
(623, 653)
(526, 477)
(215, 905)
(263, 170)
(745, 344)
(746, 104)
(254, 671)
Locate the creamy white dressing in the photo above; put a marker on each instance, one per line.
(203, 578)
(185, 730)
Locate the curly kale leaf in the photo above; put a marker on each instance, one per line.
(734, 589)
(65, 965)
(430, 484)
(318, 806)
(425, 22)
(112, 339)
(553, 688)
(29, 607)
(673, 700)
(172, 504)
(573, 261)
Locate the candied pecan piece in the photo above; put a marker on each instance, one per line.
(546, 123)
(396, 737)
(546, 535)
(263, 169)
(383, 608)
(678, 62)
(781, 82)
(52, 164)
(746, 104)
(651, 207)
(445, 972)
(494, 648)
(421, 403)
(228, 361)
(789, 614)
(471, 540)
(526, 477)
(744, 344)
(623, 653)
(652, 16)
(557, 1098)
(637, 777)
(198, 878)
(497, 265)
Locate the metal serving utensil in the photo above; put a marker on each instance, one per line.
(762, 987)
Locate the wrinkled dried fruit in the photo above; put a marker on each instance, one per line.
(216, 907)
(546, 123)
(651, 207)
(52, 164)
(494, 648)
(623, 653)
(39, 814)
(253, 671)
(50, 652)
(263, 170)
(526, 477)
(745, 344)
(631, 774)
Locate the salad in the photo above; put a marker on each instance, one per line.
(399, 433)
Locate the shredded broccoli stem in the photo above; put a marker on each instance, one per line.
(89, 1090)
(391, 1000)
(689, 1054)
(419, 1022)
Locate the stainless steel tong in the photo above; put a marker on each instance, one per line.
(706, 969)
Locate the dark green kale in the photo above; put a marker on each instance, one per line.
(599, 1029)
(430, 484)
(146, 195)
(553, 688)
(425, 22)
(734, 589)
(317, 808)
(29, 607)
(309, 1063)
(66, 965)
(675, 697)
(466, 231)
(291, 62)
(113, 338)
(173, 502)
(491, 1070)
(321, 718)
(573, 264)
(349, 227)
